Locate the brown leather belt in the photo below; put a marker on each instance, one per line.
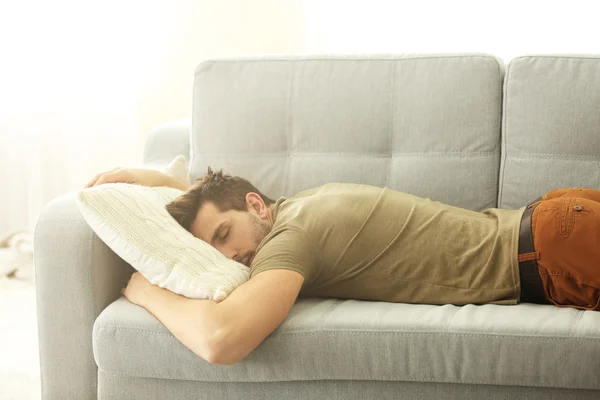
(532, 290)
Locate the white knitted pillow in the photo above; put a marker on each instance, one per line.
(133, 222)
(178, 168)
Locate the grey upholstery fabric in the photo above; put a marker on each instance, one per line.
(551, 127)
(77, 276)
(167, 141)
(331, 339)
(133, 387)
(427, 125)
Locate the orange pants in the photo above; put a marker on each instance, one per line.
(566, 231)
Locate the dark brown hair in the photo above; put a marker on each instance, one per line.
(226, 192)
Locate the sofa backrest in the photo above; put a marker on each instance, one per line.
(551, 127)
(426, 125)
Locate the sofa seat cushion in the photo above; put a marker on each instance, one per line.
(331, 339)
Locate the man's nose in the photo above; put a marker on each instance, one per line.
(231, 254)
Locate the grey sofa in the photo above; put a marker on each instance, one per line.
(464, 129)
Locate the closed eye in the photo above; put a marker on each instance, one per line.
(218, 231)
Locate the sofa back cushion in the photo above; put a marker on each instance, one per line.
(426, 125)
(551, 127)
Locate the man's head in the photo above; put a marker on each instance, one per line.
(227, 212)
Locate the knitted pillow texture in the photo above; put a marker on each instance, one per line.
(133, 221)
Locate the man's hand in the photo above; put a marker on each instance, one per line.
(137, 288)
(144, 177)
(225, 332)
(194, 322)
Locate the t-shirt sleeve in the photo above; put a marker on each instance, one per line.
(291, 249)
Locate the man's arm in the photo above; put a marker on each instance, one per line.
(253, 311)
(136, 176)
(226, 332)
(175, 183)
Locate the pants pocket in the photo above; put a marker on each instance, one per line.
(566, 218)
(563, 290)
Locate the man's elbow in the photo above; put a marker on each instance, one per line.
(224, 360)
(226, 355)
(220, 351)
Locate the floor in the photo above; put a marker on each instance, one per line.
(19, 358)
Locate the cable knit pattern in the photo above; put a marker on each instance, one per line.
(133, 222)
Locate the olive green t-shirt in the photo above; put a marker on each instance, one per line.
(371, 243)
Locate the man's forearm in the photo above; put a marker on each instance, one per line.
(175, 183)
(195, 323)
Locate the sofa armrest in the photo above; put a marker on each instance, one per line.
(167, 141)
(77, 276)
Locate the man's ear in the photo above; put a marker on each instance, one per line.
(256, 204)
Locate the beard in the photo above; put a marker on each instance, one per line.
(260, 229)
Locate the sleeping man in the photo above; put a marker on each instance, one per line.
(369, 243)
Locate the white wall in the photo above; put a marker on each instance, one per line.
(82, 83)
(67, 101)
(506, 29)
(192, 30)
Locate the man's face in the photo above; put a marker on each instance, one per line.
(236, 234)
